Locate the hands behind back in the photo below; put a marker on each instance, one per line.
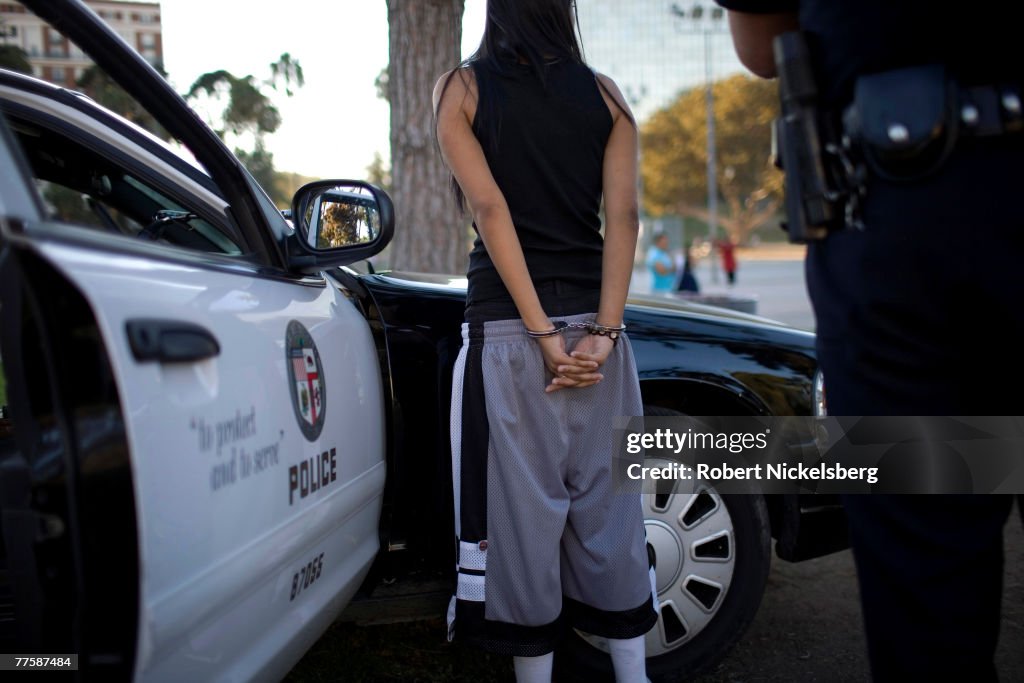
(578, 369)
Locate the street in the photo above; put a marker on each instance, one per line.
(777, 284)
(807, 629)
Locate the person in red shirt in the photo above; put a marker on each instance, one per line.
(728, 252)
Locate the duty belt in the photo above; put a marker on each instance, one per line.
(900, 126)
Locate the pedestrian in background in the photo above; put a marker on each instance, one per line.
(687, 278)
(904, 314)
(727, 252)
(660, 264)
(535, 139)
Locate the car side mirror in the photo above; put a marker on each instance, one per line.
(338, 222)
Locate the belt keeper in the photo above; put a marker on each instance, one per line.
(1013, 116)
(989, 110)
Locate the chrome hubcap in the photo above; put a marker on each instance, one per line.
(694, 547)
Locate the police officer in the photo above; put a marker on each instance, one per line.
(910, 321)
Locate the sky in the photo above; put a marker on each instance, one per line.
(333, 125)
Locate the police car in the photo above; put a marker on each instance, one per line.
(216, 434)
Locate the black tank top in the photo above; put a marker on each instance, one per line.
(547, 158)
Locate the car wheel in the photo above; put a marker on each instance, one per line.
(711, 556)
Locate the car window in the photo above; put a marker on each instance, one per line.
(80, 187)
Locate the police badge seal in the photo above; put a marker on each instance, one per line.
(306, 375)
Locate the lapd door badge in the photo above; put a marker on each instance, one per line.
(306, 375)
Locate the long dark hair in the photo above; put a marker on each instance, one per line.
(533, 32)
(536, 33)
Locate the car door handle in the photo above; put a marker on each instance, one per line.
(170, 341)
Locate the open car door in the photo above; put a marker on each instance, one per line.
(191, 448)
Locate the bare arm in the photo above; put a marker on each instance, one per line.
(464, 156)
(752, 35)
(621, 207)
(622, 222)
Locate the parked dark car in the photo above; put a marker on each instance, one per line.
(712, 551)
(216, 431)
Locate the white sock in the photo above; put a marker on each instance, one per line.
(628, 659)
(534, 669)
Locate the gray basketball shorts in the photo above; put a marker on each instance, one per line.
(545, 540)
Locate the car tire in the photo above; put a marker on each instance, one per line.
(712, 554)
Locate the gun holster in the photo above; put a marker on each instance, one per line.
(813, 205)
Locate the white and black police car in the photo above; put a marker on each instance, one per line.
(215, 436)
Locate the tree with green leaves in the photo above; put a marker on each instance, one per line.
(674, 160)
(247, 115)
(12, 57)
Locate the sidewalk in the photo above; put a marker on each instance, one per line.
(772, 251)
(775, 285)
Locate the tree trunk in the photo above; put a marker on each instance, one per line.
(425, 40)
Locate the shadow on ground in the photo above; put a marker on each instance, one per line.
(807, 629)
